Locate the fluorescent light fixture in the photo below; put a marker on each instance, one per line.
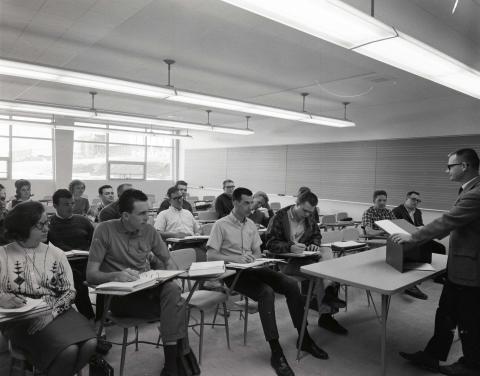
(333, 21)
(346, 26)
(189, 97)
(114, 117)
(63, 76)
(31, 119)
(25, 123)
(40, 72)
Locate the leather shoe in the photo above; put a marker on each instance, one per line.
(312, 348)
(280, 365)
(459, 369)
(334, 302)
(416, 293)
(422, 360)
(327, 322)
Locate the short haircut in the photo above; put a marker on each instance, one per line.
(309, 197)
(128, 199)
(303, 190)
(379, 192)
(181, 182)
(469, 156)
(263, 195)
(61, 193)
(412, 193)
(238, 192)
(21, 219)
(171, 191)
(120, 188)
(19, 184)
(226, 181)
(100, 190)
(74, 183)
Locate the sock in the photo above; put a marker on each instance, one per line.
(275, 347)
(170, 352)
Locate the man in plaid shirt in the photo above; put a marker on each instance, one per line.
(377, 212)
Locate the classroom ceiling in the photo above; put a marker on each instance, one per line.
(225, 51)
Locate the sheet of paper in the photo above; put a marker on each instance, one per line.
(347, 244)
(419, 266)
(31, 304)
(390, 227)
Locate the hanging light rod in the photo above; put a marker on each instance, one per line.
(99, 115)
(346, 26)
(63, 76)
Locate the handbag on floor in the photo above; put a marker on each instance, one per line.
(100, 367)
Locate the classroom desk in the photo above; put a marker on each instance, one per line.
(368, 270)
(340, 225)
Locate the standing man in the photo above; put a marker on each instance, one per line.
(120, 252)
(112, 210)
(224, 203)
(182, 186)
(460, 300)
(235, 238)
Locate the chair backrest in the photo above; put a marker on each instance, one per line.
(193, 198)
(208, 198)
(350, 233)
(341, 216)
(207, 215)
(275, 206)
(331, 236)
(206, 229)
(183, 258)
(328, 219)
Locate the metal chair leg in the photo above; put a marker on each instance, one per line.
(124, 350)
(245, 322)
(200, 343)
(215, 315)
(136, 338)
(346, 298)
(225, 316)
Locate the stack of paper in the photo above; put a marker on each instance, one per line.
(76, 253)
(348, 244)
(206, 269)
(28, 306)
(257, 262)
(145, 280)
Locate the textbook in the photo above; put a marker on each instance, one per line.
(258, 262)
(206, 268)
(188, 238)
(145, 280)
(28, 306)
(76, 253)
(350, 244)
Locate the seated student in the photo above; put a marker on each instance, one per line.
(106, 196)
(176, 222)
(77, 188)
(378, 212)
(119, 252)
(112, 211)
(261, 212)
(293, 229)
(235, 238)
(72, 231)
(223, 203)
(61, 341)
(182, 187)
(301, 190)
(23, 193)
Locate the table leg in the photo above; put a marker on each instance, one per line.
(305, 315)
(384, 317)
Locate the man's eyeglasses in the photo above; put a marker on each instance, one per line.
(449, 166)
(230, 186)
(177, 198)
(42, 225)
(415, 199)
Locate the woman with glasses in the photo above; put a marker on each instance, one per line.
(60, 341)
(77, 188)
(23, 193)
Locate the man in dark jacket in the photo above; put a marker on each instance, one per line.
(460, 300)
(294, 230)
(224, 203)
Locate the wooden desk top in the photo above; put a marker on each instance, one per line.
(369, 270)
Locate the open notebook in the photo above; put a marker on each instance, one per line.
(206, 268)
(28, 306)
(146, 279)
(257, 262)
(76, 253)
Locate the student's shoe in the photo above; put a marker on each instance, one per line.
(334, 302)
(280, 365)
(311, 347)
(327, 322)
(415, 292)
(422, 359)
(459, 369)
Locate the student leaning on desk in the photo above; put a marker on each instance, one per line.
(60, 341)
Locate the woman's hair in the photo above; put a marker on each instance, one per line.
(264, 196)
(21, 219)
(18, 186)
(74, 183)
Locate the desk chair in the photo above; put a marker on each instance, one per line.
(201, 300)
(341, 216)
(207, 215)
(332, 236)
(326, 219)
(350, 234)
(208, 198)
(275, 206)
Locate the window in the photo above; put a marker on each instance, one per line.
(99, 155)
(26, 151)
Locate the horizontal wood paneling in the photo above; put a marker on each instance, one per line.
(348, 171)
